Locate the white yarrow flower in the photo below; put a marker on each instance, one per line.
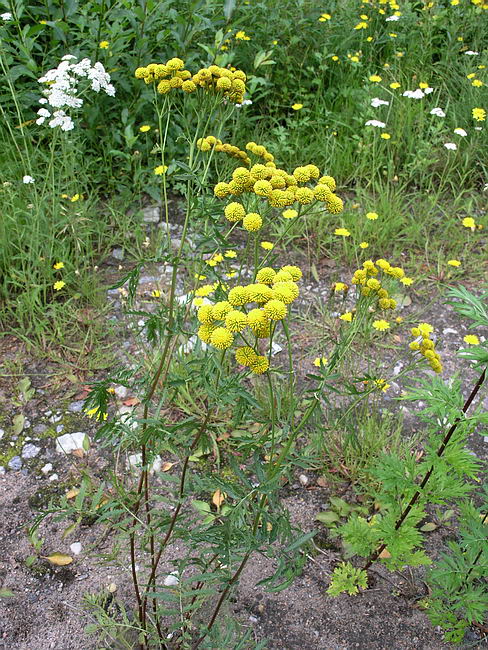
(6, 16)
(451, 146)
(392, 18)
(28, 179)
(414, 94)
(427, 91)
(438, 111)
(377, 123)
(471, 53)
(376, 101)
(460, 132)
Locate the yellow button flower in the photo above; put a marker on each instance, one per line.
(297, 107)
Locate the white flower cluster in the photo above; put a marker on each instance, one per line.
(376, 101)
(418, 93)
(438, 112)
(392, 18)
(377, 123)
(6, 16)
(62, 89)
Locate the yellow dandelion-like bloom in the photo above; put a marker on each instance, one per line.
(257, 320)
(234, 212)
(205, 332)
(238, 296)
(235, 321)
(342, 232)
(479, 114)
(289, 214)
(407, 281)
(75, 197)
(363, 244)
(381, 325)
(275, 309)
(221, 338)
(425, 329)
(294, 271)
(395, 85)
(59, 285)
(245, 355)
(230, 254)
(375, 78)
(103, 45)
(469, 222)
(471, 339)
(385, 136)
(252, 222)
(242, 36)
(205, 290)
(339, 286)
(361, 25)
(477, 83)
(265, 275)
(259, 365)
(334, 204)
(346, 317)
(58, 265)
(262, 188)
(144, 128)
(205, 314)
(221, 190)
(454, 263)
(297, 107)
(324, 18)
(259, 292)
(160, 170)
(267, 245)
(372, 215)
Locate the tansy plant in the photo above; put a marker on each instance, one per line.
(202, 409)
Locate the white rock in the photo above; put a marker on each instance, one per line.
(151, 214)
(47, 468)
(75, 548)
(121, 392)
(126, 414)
(53, 477)
(172, 579)
(2, 433)
(30, 451)
(118, 253)
(135, 461)
(71, 441)
(448, 330)
(303, 478)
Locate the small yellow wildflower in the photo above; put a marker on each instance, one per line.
(58, 265)
(381, 325)
(324, 17)
(342, 232)
(156, 293)
(423, 85)
(160, 170)
(385, 136)
(454, 262)
(59, 285)
(297, 107)
(340, 286)
(469, 222)
(230, 254)
(267, 245)
(375, 78)
(104, 45)
(395, 85)
(406, 281)
(75, 197)
(477, 83)
(363, 244)
(382, 385)
(320, 361)
(425, 329)
(479, 114)
(242, 36)
(471, 339)
(361, 25)
(289, 214)
(347, 316)
(144, 128)
(372, 215)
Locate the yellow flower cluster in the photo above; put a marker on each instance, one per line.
(254, 306)
(276, 186)
(210, 142)
(371, 286)
(426, 346)
(172, 75)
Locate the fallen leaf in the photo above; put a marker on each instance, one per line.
(131, 401)
(58, 559)
(79, 453)
(321, 482)
(328, 517)
(428, 527)
(72, 493)
(165, 467)
(385, 554)
(218, 498)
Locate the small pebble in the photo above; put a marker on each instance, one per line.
(303, 478)
(30, 451)
(15, 463)
(47, 468)
(53, 477)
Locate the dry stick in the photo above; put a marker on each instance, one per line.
(374, 556)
